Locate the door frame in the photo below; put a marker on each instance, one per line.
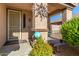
(8, 22)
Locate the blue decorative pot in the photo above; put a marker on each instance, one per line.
(37, 35)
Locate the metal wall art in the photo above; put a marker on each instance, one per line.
(40, 9)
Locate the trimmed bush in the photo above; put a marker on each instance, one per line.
(41, 49)
(70, 31)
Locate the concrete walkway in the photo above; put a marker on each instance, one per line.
(21, 49)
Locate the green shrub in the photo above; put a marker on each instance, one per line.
(41, 48)
(70, 31)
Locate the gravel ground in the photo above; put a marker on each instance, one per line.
(67, 51)
(63, 49)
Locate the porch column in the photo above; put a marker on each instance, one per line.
(2, 24)
(67, 14)
(40, 16)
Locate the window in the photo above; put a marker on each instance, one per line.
(24, 20)
(56, 17)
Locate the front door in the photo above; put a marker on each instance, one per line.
(14, 25)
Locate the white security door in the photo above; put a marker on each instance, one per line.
(14, 25)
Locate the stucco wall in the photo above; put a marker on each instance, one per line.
(40, 23)
(67, 14)
(44, 36)
(26, 32)
(2, 24)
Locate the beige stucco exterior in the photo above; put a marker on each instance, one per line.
(67, 14)
(26, 32)
(2, 24)
(44, 36)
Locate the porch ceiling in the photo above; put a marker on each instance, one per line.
(53, 7)
(20, 6)
(28, 6)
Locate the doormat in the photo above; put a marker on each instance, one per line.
(15, 42)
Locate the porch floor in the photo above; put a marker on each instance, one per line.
(21, 49)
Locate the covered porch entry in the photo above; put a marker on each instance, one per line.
(19, 21)
(24, 19)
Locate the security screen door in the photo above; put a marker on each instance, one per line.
(14, 25)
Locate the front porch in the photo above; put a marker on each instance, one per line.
(19, 21)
